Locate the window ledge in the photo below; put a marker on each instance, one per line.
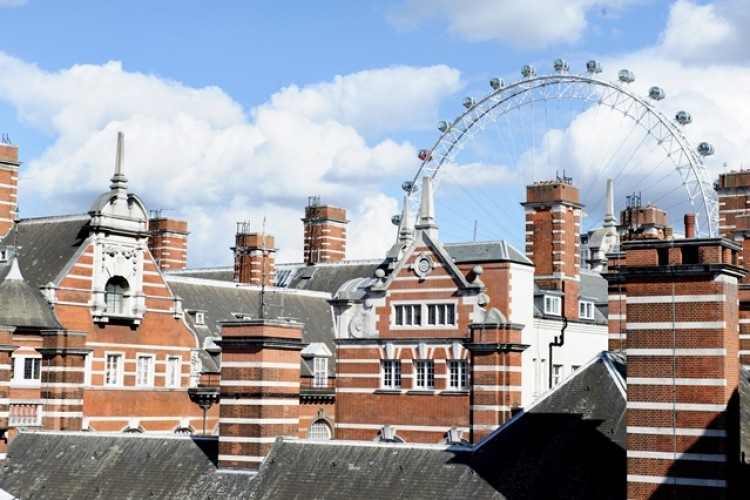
(455, 392)
(422, 392)
(26, 383)
(387, 391)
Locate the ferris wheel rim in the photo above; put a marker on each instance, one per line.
(693, 173)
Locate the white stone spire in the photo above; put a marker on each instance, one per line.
(119, 181)
(609, 217)
(427, 209)
(404, 227)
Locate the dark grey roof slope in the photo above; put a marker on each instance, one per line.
(593, 286)
(305, 470)
(46, 245)
(330, 276)
(116, 466)
(556, 449)
(485, 251)
(20, 305)
(222, 301)
(207, 273)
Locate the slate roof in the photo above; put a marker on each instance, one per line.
(221, 301)
(485, 251)
(116, 466)
(555, 449)
(329, 277)
(46, 245)
(20, 305)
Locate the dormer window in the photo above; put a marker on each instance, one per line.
(115, 296)
(4, 254)
(200, 318)
(586, 309)
(552, 305)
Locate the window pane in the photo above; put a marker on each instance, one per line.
(319, 430)
(112, 369)
(320, 372)
(31, 368)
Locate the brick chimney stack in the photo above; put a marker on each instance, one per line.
(689, 225)
(9, 165)
(683, 367)
(325, 232)
(260, 373)
(553, 242)
(254, 256)
(733, 190)
(168, 242)
(638, 222)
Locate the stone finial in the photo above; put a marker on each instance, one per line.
(119, 181)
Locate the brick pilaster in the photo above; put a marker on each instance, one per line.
(495, 376)
(6, 351)
(63, 374)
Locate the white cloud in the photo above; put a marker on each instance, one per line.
(12, 3)
(199, 155)
(707, 33)
(528, 24)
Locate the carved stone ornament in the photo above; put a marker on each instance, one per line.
(423, 265)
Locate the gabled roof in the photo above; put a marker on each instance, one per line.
(46, 245)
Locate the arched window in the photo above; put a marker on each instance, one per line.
(320, 430)
(114, 295)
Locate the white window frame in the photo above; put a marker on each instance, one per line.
(320, 371)
(458, 374)
(173, 371)
(114, 361)
(407, 314)
(144, 379)
(391, 371)
(435, 314)
(117, 297)
(586, 309)
(200, 318)
(424, 374)
(557, 374)
(552, 305)
(320, 430)
(88, 362)
(441, 314)
(20, 365)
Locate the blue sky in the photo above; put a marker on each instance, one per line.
(240, 110)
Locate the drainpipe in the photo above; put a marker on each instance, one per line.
(558, 341)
